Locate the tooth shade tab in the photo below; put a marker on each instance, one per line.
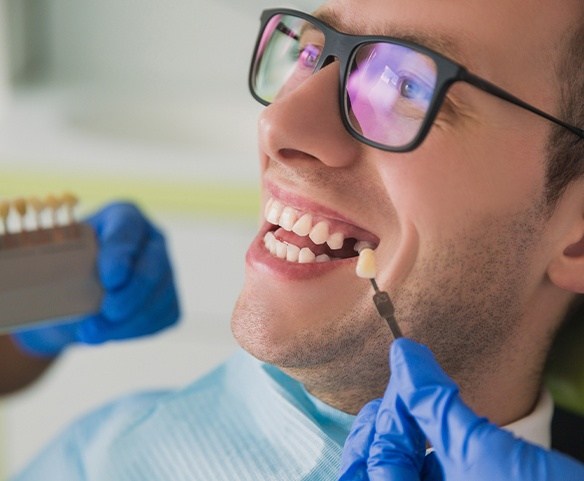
(359, 246)
(20, 206)
(366, 268)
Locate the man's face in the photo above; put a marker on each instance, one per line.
(458, 224)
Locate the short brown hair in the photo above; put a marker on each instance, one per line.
(566, 150)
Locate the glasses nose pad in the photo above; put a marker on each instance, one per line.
(325, 61)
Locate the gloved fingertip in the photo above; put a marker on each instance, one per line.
(112, 308)
(173, 318)
(364, 424)
(90, 331)
(32, 345)
(355, 473)
(113, 272)
(414, 362)
(403, 349)
(390, 472)
(419, 378)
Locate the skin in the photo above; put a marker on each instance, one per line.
(18, 370)
(478, 267)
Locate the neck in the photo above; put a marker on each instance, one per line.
(503, 391)
(504, 395)
(347, 385)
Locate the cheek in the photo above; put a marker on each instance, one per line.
(446, 190)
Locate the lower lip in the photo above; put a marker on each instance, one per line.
(260, 259)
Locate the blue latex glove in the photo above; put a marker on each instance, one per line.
(422, 402)
(140, 297)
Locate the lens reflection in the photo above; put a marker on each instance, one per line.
(287, 55)
(389, 89)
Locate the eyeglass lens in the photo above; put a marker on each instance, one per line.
(388, 87)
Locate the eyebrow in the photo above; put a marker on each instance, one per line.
(441, 42)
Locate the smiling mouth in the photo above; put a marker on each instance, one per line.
(302, 237)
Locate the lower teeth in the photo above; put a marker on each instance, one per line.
(292, 253)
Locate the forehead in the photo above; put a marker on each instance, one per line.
(442, 41)
(512, 42)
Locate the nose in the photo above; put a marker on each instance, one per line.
(306, 123)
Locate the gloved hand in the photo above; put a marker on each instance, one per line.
(140, 297)
(421, 402)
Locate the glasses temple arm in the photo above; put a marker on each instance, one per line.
(499, 92)
(286, 31)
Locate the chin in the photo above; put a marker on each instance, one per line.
(265, 334)
(328, 332)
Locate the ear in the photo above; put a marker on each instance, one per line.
(566, 269)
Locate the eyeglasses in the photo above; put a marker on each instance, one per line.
(390, 89)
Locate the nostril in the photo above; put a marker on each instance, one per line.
(293, 154)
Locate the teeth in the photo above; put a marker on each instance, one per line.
(268, 207)
(288, 218)
(293, 253)
(290, 252)
(269, 237)
(303, 226)
(306, 256)
(319, 233)
(274, 212)
(291, 220)
(336, 241)
(270, 241)
(281, 250)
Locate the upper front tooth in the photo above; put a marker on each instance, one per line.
(319, 233)
(268, 207)
(275, 212)
(303, 225)
(288, 218)
(336, 240)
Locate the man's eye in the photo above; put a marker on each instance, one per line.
(414, 89)
(309, 56)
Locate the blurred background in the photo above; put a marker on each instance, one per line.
(147, 101)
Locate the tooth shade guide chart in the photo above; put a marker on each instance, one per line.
(33, 213)
(47, 262)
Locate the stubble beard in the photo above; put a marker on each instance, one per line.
(464, 301)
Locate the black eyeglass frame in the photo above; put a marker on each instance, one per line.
(343, 46)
